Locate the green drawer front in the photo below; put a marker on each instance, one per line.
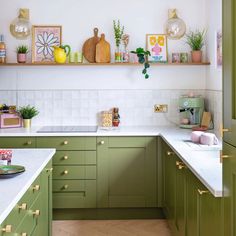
(69, 185)
(31, 221)
(128, 141)
(8, 142)
(75, 158)
(74, 172)
(81, 199)
(67, 143)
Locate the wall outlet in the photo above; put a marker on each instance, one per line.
(161, 108)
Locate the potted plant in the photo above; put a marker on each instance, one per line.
(22, 51)
(118, 31)
(27, 113)
(142, 59)
(196, 40)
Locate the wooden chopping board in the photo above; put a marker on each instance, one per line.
(103, 51)
(89, 47)
(206, 119)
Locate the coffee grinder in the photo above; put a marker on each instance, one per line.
(191, 110)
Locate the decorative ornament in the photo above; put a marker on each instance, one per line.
(20, 27)
(175, 27)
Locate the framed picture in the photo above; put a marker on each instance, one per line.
(43, 40)
(157, 45)
(219, 49)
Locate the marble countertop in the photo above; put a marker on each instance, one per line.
(202, 160)
(12, 189)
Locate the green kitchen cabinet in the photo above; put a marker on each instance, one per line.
(126, 172)
(229, 71)
(17, 142)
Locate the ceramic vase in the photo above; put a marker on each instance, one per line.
(21, 57)
(196, 56)
(27, 123)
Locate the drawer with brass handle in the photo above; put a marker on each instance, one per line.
(18, 142)
(69, 185)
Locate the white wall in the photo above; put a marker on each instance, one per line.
(78, 18)
(214, 24)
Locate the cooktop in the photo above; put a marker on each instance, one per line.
(67, 129)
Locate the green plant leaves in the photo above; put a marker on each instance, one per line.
(196, 39)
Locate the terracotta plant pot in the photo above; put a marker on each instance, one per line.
(21, 58)
(196, 56)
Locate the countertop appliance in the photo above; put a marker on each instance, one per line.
(68, 129)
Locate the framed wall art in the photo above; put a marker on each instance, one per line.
(219, 49)
(157, 45)
(44, 38)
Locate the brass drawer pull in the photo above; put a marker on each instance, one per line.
(65, 172)
(36, 187)
(49, 170)
(222, 156)
(65, 142)
(24, 234)
(170, 153)
(36, 213)
(65, 157)
(222, 130)
(23, 206)
(102, 142)
(7, 229)
(181, 166)
(201, 192)
(29, 142)
(177, 163)
(66, 186)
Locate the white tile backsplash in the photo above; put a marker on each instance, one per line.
(82, 107)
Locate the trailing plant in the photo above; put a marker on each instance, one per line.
(23, 49)
(28, 112)
(142, 59)
(119, 31)
(196, 39)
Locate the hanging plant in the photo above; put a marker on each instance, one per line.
(142, 59)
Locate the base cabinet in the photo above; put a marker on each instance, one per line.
(126, 172)
(32, 215)
(191, 210)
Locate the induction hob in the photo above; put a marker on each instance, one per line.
(67, 129)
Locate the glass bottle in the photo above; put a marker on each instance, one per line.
(2, 50)
(118, 54)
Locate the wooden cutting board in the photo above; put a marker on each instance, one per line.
(103, 51)
(89, 47)
(206, 119)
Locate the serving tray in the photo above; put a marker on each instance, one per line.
(9, 171)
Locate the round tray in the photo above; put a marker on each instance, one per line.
(9, 171)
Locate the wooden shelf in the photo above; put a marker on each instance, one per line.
(103, 64)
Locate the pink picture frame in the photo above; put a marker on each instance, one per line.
(44, 38)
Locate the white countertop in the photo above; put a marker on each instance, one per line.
(12, 189)
(202, 160)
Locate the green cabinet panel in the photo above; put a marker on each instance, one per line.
(69, 185)
(80, 198)
(74, 172)
(126, 172)
(21, 142)
(67, 143)
(75, 158)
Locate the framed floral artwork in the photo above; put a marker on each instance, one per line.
(44, 38)
(157, 45)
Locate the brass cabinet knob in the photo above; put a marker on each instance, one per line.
(7, 229)
(65, 157)
(65, 172)
(36, 213)
(66, 186)
(49, 169)
(177, 163)
(65, 142)
(222, 130)
(169, 153)
(24, 234)
(201, 192)
(181, 166)
(29, 142)
(36, 187)
(23, 206)
(222, 157)
(102, 142)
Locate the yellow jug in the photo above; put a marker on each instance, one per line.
(60, 53)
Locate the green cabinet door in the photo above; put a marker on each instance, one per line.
(126, 172)
(229, 187)
(229, 70)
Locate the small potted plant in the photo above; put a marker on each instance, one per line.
(196, 40)
(27, 113)
(22, 51)
(143, 59)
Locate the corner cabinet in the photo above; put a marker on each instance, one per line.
(126, 172)
(32, 215)
(191, 210)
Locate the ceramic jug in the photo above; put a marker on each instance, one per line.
(60, 53)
